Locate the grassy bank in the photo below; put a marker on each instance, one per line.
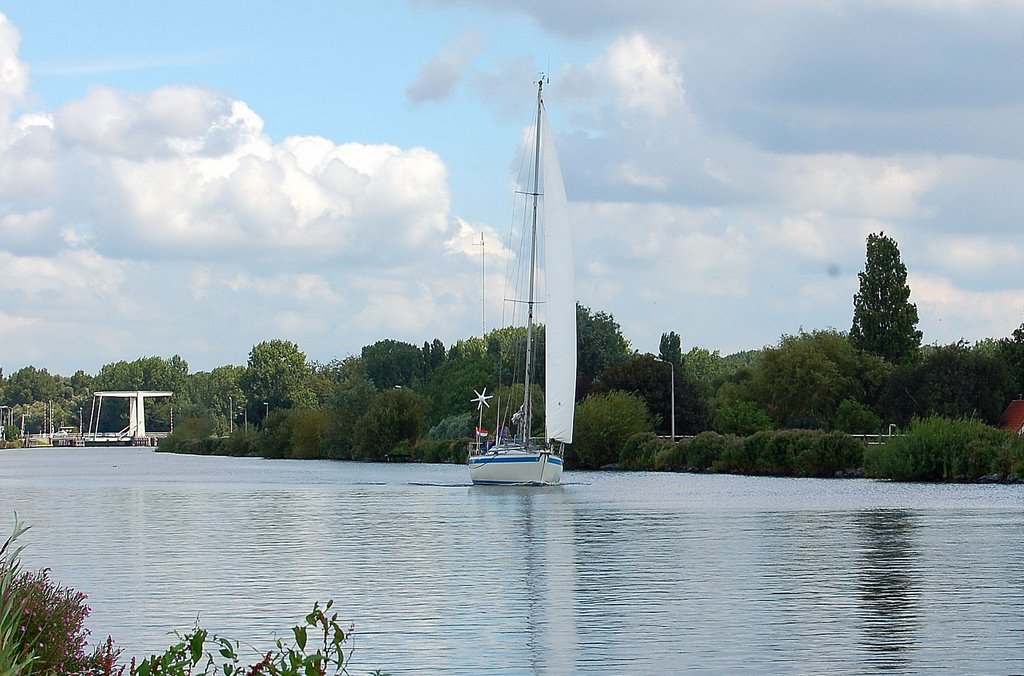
(931, 449)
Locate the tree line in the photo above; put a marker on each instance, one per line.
(400, 399)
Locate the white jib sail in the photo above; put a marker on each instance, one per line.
(560, 298)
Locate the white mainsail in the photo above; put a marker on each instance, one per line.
(517, 459)
(560, 298)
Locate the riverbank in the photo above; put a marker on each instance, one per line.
(933, 449)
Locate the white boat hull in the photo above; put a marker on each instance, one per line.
(515, 467)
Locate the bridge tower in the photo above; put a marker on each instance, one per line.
(136, 411)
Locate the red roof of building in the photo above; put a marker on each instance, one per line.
(1013, 416)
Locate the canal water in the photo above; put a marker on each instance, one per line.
(609, 573)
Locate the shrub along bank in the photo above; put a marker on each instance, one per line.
(931, 449)
(797, 453)
(944, 449)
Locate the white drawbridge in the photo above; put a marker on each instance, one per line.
(136, 429)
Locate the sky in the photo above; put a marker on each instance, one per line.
(193, 178)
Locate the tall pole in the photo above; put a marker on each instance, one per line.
(231, 414)
(672, 394)
(483, 295)
(672, 383)
(266, 412)
(527, 399)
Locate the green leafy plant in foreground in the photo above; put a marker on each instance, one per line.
(199, 652)
(12, 660)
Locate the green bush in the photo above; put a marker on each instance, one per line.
(396, 415)
(671, 457)
(455, 426)
(308, 427)
(706, 450)
(603, 424)
(201, 653)
(742, 418)
(854, 417)
(185, 435)
(448, 451)
(786, 453)
(946, 449)
(833, 453)
(639, 452)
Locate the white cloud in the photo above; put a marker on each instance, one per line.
(949, 313)
(846, 183)
(974, 254)
(13, 71)
(184, 170)
(647, 80)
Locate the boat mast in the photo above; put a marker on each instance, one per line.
(527, 399)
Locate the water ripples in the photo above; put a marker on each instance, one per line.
(609, 573)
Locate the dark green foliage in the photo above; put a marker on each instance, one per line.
(884, 319)
(670, 349)
(599, 341)
(433, 355)
(28, 385)
(831, 454)
(703, 452)
(216, 395)
(640, 451)
(854, 417)
(349, 401)
(652, 381)
(450, 388)
(671, 457)
(803, 453)
(396, 415)
(391, 363)
(802, 382)
(742, 418)
(277, 373)
(446, 451)
(189, 436)
(296, 433)
(1010, 353)
(952, 381)
(603, 424)
(946, 449)
(240, 443)
(455, 427)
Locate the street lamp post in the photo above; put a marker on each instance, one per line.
(245, 417)
(672, 398)
(231, 414)
(266, 412)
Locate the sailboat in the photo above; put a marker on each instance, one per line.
(516, 457)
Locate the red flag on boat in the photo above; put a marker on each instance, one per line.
(480, 432)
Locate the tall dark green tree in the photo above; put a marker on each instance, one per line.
(599, 341)
(670, 349)
(884, 319)
(652, 381)
(277, 374)
(392, 362)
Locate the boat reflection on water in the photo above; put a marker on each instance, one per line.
(532, 534)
